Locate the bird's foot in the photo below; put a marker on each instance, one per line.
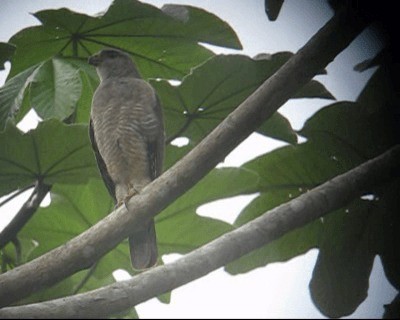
(131, 193)
(119, 203)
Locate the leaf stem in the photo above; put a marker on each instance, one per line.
(27, 210)
(16, 194)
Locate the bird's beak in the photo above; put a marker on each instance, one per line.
(94, 60)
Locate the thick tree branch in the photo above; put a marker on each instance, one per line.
(24, 214)
(82, 251)
(273, 224)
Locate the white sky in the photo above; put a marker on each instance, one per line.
(279, 290)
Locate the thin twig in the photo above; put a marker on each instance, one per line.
(15, 194)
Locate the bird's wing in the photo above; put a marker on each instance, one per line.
(101, 164)
(155, 147)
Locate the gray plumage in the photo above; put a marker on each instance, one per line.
(127, 135)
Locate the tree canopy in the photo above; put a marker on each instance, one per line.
(50, 75)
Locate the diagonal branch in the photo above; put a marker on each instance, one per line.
(273, 224)
(10, 232)
(15, 194)
(82, 251)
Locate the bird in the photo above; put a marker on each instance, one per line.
(126, 130)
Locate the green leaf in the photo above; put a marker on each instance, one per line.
(388, 235)
(200, 22)
(55, 89)
(314, 89)
(194, 230)
(12, 95)
(75, 208)
(84, 103)
(174, 153)
(214, 89)
(362, 134)
(89, 81)
(53, 152)
(347, 239)
(284, 174)
(161, 45)
(292, 244)
(6, 52)
(380, 93)
(52, 88)
(278, 127)
(340, 136)
(340, 278)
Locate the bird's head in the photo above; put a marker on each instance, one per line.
(113, 63)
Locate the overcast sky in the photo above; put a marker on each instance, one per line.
(280, 289)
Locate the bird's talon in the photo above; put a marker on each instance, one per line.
(119, 203)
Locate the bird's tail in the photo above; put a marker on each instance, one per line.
(143, 247)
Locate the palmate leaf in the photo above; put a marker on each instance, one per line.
(53, 152)
(12, 95)
(285, 174)
(162, 46)
(363, 134)
(214, 89)
(340, 278)
(340, 136)
(180, 229)
(74, 208)
(50, 63)
(55, 88)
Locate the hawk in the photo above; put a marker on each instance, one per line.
(127, 135)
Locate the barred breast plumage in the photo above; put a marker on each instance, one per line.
(127, 135)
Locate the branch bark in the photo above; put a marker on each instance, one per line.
(82, 251)
(10, 232)
(273, 224)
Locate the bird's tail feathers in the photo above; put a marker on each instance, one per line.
(143, 247)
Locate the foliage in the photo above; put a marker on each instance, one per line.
(49, 74)
(340, 136)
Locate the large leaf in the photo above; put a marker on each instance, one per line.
(214, 89)
(162, 45)
(284, 174)
(12, 95)
(53, 152)
(390, 225)
(51, 59)
(6, 52)
(55, 89)
(362, 134)
(180, 229)
(74, 208)
(347, 239)
(340, 137)
(90, 81)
